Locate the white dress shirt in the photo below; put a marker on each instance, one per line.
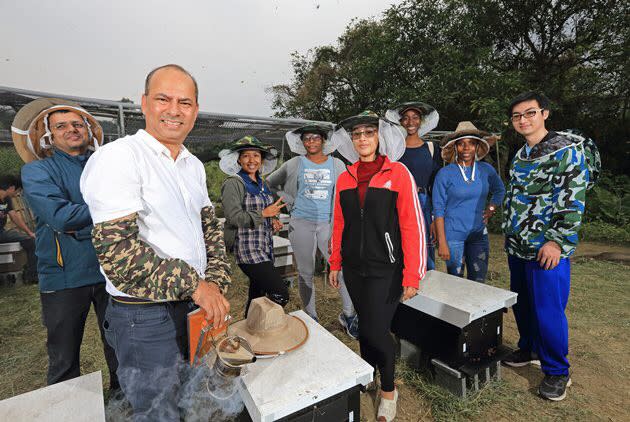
(137, 174)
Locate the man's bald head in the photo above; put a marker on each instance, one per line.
(147, 81)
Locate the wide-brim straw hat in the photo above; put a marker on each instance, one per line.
(391, 139)
(466, 130)
(294, 138)
(428, 114)
(269, 330)
(228, 162)
(31, 133)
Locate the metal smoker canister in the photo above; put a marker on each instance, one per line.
(230, 355)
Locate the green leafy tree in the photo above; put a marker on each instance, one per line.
(469, 58)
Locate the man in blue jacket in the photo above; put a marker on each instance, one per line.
(69, 277)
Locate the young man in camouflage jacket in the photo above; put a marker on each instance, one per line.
(544, 204)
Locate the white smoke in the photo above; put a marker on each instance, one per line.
(203, 395)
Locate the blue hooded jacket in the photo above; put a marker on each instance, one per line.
(66, 256)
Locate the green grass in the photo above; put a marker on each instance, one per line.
(214, 180)
(599, 319)
(10, 161)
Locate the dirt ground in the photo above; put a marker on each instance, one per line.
(599, 318)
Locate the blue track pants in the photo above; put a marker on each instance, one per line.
(540, 311)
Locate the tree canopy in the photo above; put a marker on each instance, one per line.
(469, 58)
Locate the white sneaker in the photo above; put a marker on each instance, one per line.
(387, 408)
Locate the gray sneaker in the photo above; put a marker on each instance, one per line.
(350, 324)
(554, 387)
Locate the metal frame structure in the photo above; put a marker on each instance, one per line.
(213, 127)
(210, 128)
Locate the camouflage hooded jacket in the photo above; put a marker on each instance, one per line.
(545, 197)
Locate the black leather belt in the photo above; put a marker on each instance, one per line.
(422, 189)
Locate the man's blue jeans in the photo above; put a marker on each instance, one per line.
(540, 311)
(473, 253)
(8, 236)
(150, 343)
(427, 211)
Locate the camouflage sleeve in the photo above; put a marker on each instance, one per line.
(568, 199)
(133, 266)
(218, 269)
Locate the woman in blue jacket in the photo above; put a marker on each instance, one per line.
(460, 195)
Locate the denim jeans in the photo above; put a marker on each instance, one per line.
(473, 253)
(151, 345)
(8, 236)
(427, 212)
(64, 313)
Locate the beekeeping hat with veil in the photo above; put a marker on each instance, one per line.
(31, 131)
(228, 158)
(296, 145)
(428, 115)
(391, 139)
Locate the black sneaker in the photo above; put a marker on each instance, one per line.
(554, 387)
(520, 358)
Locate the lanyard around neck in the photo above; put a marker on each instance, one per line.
(472, 176)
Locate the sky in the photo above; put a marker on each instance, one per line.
(236, 49)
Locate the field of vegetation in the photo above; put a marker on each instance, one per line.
(599, 317)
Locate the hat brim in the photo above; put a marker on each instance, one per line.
(294, 140)
(351, 122)
(276, 342)
(430, 116)
(391, 142)
(28, 127)
(483, 146)
(229, 164)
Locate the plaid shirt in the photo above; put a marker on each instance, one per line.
(254, 246)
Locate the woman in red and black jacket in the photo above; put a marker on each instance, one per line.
(378, 238)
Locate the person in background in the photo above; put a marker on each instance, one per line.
(159, 244)
(9, 186)
(422, 158)
(378, 238)
(460, 195)
(544, 204)
(251, 216)
(63, 136)
(307, 184)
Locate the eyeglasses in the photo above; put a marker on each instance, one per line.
(311, 138)
(357, 134)
(64, 125)
(516, 117)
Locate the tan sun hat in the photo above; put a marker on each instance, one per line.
(30, 132)
(467, 130)
(269, 330)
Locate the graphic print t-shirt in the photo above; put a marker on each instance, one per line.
(316, 185)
